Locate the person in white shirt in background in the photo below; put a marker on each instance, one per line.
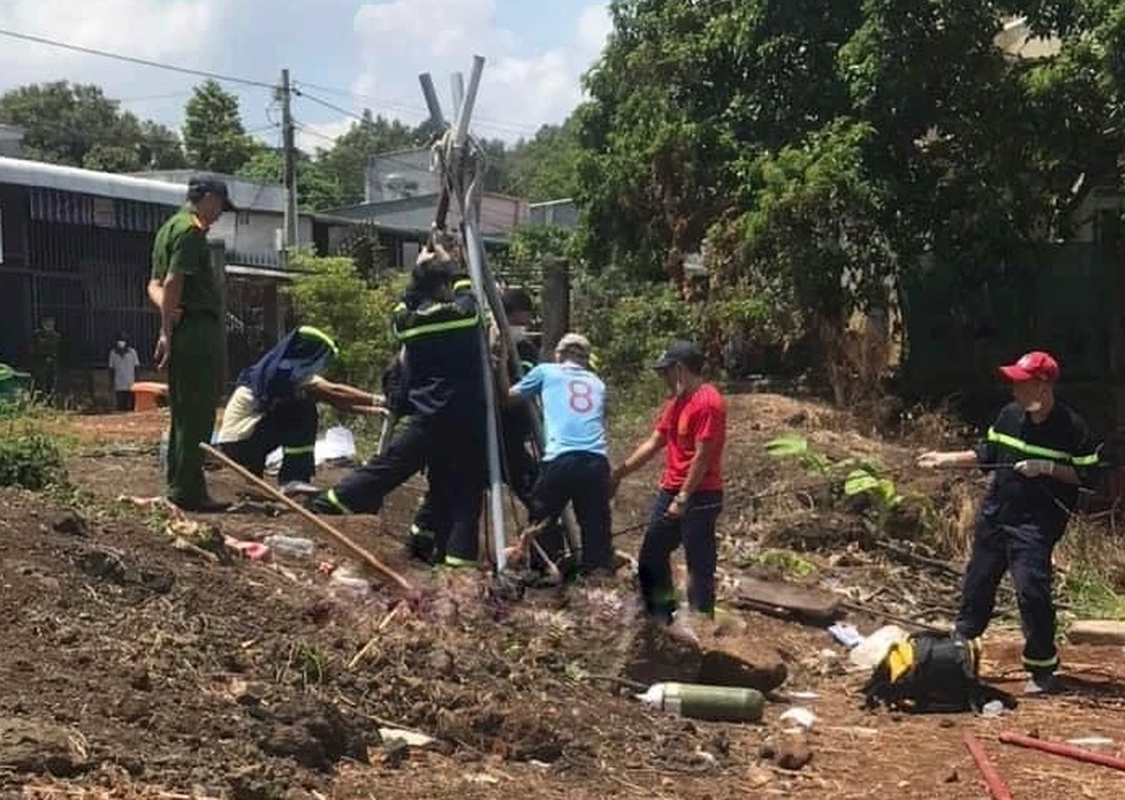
(123, 363)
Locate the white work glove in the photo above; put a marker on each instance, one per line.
(934, 460)
(1034, 467)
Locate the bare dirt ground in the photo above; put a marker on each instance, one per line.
(132, 669)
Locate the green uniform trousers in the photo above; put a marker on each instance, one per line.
(193, 394)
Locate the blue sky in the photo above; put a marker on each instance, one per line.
(363, 54)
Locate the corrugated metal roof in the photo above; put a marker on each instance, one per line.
(246, 194)
(22, 172)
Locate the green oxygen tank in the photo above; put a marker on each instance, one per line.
(710, 703)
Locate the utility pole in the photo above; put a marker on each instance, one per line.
(289, 153)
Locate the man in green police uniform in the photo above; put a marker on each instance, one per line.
(186, 290)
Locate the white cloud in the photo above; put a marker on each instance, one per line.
(442, 28)
(197, 34)
(311, 137)
(139, 28)
(594, 27)
(518, 93)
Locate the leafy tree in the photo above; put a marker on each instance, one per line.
(827, 140)
(77, 125)
(345, 164)
(331, 294)
(545, 167)
(316, 189)
(498, 169)
(683, 100)
(213, 134)
(160, 147)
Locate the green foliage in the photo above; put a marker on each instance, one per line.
(30, 459)
(880, 490)
(794, 446)
(539, 243)
(861, 478)
(1092, 571)
(784, 562)
(824, 146)
(545, 167)
(684, 98)
(310, 661)
(330, 294)
(317, 188)
(813, 238)
(77, 125)
(213, 134)
(630, 327)
(1086, 588)
(630, 324)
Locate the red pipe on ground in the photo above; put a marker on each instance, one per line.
(996, 785)
(1066, 750)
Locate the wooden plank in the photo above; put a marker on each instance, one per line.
(1097, 631)
(775, 597)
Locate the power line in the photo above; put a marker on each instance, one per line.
(331, 106)
(313, 132)
(169, 96)
(134, 60)
(484, 121)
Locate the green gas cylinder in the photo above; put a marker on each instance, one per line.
(710, 703)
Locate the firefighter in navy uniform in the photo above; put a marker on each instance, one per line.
(521, 470)
(1039, 452)
(439, 325)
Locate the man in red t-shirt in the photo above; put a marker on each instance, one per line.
(691, 430)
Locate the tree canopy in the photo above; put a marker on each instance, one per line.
(807, 134)
(77, 125)
(214, 137)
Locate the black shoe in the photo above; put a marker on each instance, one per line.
(204, 506)
(320, 505)
(421, 548)
(298, 489)
(1041, 684)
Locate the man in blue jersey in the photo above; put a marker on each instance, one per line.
(575, 464)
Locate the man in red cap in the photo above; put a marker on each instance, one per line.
(1040, 452)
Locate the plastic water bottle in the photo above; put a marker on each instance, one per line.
(351, 585)
(162, 459)
(292, 546)
(708, 703)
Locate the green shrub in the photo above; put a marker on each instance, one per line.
(331, 294)
(32, 460)
(629, 324)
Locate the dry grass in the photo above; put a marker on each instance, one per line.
(952, 529)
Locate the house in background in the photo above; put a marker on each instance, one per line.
(399, 174)
(76, 244)
(403, 225)
(562, 213)
(11, 141)
(1016, 41)
(77, 247)
(401, 199)
(254, 234)
(258, 308)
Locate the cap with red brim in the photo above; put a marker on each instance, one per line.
(1033, 366)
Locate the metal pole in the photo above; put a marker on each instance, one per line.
(475, 252)
(469, 201)
(458, 81)
(290, 161)
(431, 99)
(497, 306)
(470, 101)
